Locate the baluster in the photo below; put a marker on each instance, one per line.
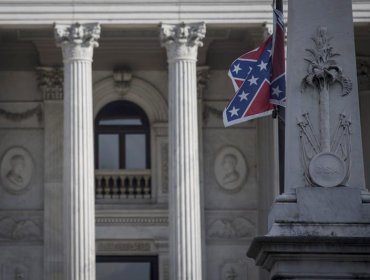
(121, 188)
(99, 188)
(131, 188)
(106, 187)
(115, 187)
(141, 186)
(137, 188)
(147, 187)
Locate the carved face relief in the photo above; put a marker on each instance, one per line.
(230, 169)
(16, 170)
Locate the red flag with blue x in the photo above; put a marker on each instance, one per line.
(258, 78)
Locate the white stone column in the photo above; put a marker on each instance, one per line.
(182, 42)
(77, 42)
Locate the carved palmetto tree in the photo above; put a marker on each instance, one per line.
(323, 72)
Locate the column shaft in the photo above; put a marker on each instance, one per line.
(79, 172)
(185, 249)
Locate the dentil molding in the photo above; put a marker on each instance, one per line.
(150, 217)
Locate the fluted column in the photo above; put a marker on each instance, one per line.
(77, 42)
(182, 42)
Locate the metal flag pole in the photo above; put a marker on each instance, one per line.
(280, 111)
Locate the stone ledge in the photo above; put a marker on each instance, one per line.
(312, 257)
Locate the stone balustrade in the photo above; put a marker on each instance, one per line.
(112, 185)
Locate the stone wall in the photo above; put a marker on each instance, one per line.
(21, 176)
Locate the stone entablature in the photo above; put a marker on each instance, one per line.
(131, 12)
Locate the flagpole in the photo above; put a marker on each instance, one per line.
(281, 126)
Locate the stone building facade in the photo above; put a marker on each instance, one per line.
(155, 92)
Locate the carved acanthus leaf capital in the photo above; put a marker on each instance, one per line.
(50, 81)
(182, 40)
(77, 40)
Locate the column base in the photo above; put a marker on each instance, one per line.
(312, 257)
(323, 234)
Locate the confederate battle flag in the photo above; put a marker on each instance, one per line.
(258, 78)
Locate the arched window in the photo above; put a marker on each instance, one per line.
(122, 137)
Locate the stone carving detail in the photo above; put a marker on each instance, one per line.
(16, 170)
(230, 169)
(326, 169)
(17, 117)
(230, 228)
(122, 80)
(363, 67)
(124, 245)
(13, 270)
(202, 80)
(363, 72)
(19, 229)
(326, 160)
(50, 82)
(19, 274)
(182, 40)
(233, 270)
(268, 29)
(133, 220)
(164, 151)
(77, 40)
(208, 110)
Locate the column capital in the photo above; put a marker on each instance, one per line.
(182, 40)
(77, 40)
(50, 82)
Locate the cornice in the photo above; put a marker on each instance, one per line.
(126, 12)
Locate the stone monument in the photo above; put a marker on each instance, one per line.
(319, 228)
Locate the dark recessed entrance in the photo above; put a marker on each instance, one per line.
(126, 268)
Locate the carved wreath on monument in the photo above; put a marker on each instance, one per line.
(326, 159)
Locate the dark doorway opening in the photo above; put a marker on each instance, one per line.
(126, 268)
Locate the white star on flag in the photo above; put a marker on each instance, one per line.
(262, 65)
(253, 81)
(237, 68)
(234, 111)
(276, 91)
(244, 96)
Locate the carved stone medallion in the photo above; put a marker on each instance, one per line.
(16, 170)
(327, 170)
(230, 169)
